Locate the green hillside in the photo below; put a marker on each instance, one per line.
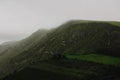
(66, 70)
(109, 60)
(73, 37)
(10, 51)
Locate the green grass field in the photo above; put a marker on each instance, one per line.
(104, 59)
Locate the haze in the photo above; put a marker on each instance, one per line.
(20, 18)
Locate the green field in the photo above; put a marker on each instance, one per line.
(97, 58)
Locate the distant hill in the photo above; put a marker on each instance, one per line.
(11, 50)
(73, 37)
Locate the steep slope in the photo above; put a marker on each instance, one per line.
(19, 46)
(73, 37)
(11, 50)
(80, 38)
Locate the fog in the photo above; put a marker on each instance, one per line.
(20, 18)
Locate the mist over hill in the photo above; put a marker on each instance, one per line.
(73, 37)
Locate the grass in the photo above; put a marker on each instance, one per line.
(97, 58)
(48, 71)
(115, 23)
(67, 69)
(60, 69)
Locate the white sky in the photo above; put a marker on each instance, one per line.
(20, 18)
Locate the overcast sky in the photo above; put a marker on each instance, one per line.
(20, 18)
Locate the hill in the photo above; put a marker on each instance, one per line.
(73, 37)
(11, 50)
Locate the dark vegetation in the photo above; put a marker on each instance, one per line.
(67, 70)
(33, 54)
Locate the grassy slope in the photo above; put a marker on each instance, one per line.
(115, 23)
(104, 59)
(7, 65)
(79, 37)
(66, 70)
